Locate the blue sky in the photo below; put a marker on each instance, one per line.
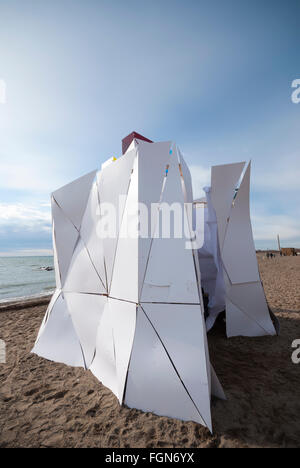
(214, 76)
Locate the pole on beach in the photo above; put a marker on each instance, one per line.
(279, 248)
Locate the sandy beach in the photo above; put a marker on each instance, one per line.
(44, 404)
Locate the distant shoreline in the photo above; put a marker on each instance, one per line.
(2, 255)
(25, 303)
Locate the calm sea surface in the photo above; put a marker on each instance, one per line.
(22, 277)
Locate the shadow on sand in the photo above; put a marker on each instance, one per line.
(261, 384)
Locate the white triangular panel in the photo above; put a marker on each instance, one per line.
(216, 388)
(104, 363)
(239, 324)
(124, 320)
(72, 198)
(82, 276)
(125, 279)
(58, 342)
(180, 327)
(152, 356)
(203, 328)
(224, 179)
(164, 281)
(90, 235)
(113, 183)
(132, 145)
(65, 240)
(86, 311)
(53, 299)
(238, 252)
(152, 383)
(250, 299)
(153, 160)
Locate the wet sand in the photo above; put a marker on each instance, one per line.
(44, 404)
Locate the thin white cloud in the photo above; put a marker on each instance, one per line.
(30, 174)
(2, 92)
(21, 218)
(268, 226)
(25, 229)
(26, 214)
(278, 174)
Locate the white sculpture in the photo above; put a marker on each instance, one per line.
(129, 307)
(128, 304)
(235, 284)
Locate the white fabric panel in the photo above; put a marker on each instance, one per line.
(152, 383)
(238, 253)
(113, 182)
(181, 329)
(250, 299)
(166, 254)
(104, 363)
(211, 266)
(125, 280)
(212, 244)
(210, 321)
(59, 341)
(72, 198)
(153, 159)
(86, 311)
(210, 263)
(224, 179)
(88, 233)
(124, 320)
(82, 276)
(65, 240)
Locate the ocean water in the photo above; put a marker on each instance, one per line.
(23, 277)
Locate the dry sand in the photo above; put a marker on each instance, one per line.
(44, 404)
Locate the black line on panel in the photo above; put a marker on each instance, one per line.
(85, 293)
(173, 303)
(83, 356)
(177, 373)
(76, 243)
(75, 331)
(115, 253)
(249, 317)
(94, 355)
(157, 221)
(99, 206)
(122, 300)
(88, 252)
(126, 379)
(65, 215)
